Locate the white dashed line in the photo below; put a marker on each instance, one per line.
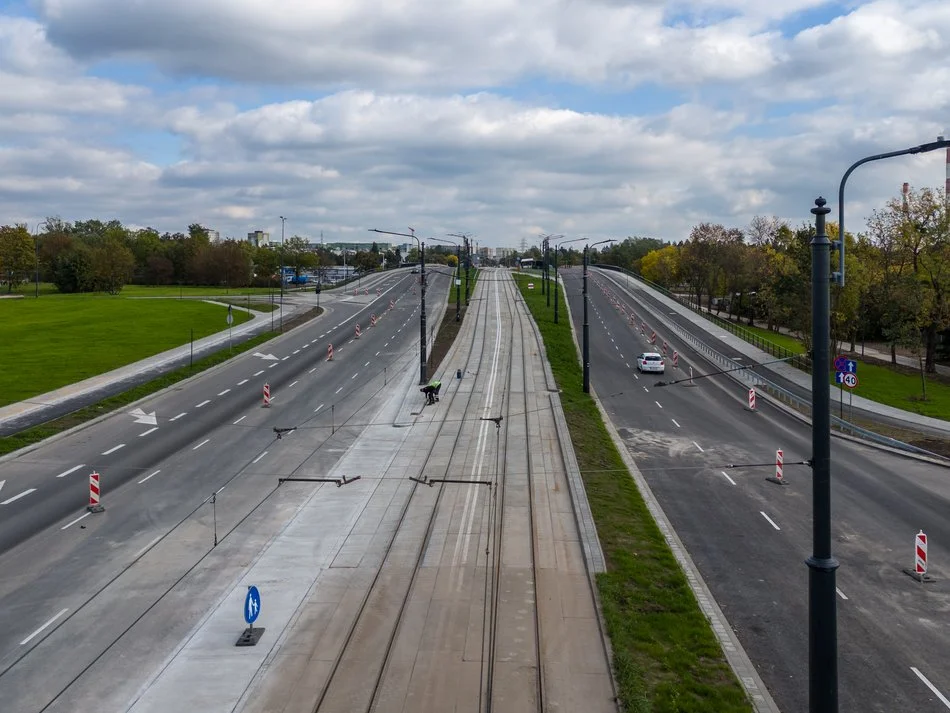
(151, 430)
(241, 383)
(185, 413)
(39, 631)
(841, 594)
(73, 522)
(149, 476)
(354, 376)
(698, 447)
(771, 522)
(628, 366)
(201, 444)
(339, 390)
(113, 449)
(305, 346)
(294, 384)
(646, 389)
(636, 377)
(286, 358)
(224, 392)
(17, 497)
(675, 423)
(367, 363)
(296, 351)
(318, 408)
(277, 363)
(726, 476)
(239, 420)
(203, 403)
(259, 457)
(377, 354)
(658, 404)
(258, 373)
(71, 470)
(942, 698)
(385, 345)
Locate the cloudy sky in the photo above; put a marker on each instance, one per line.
(505, 118)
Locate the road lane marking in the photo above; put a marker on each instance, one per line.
(385, 345)
(646, 389)
(312, 370)
(239, 420)
(241, 383)
(17, 497)
(636, 377)
(201, 444)
(726, 476)
(377, 354)
(203, 403)
(149, 476)
(942, 698)
(1, 484)
(294, 384)
(841, 594)
(305, 346)
(224, 392)
(321, 336)
(258, 373)
(675, 423)
(367, 363)
(771, 521)
(147, 547)
(259, 457)
(178, 417)
(113, 449)
(276, 363)
(43, 628)
(658, 404)
(351, 341)
(71, 470)
(354, 376)
(318, 408)
(151, 430)
(286, 358)
(296, 351)
(698, 447)
(339, 390)
(81, 517)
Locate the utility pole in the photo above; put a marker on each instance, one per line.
(282, 221)
(467, 243)
(586, 325)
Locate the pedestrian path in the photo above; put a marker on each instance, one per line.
(790, 373)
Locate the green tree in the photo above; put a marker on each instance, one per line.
(17, 257)
(112, 265)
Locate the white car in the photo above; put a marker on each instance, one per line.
(651, 362)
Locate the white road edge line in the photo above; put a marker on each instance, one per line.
(726, 476)
(69, 524)
(259, 457)
(71, 470)
(239, 420)
(771, 521)
(201, 444)
(113, 449)
(699, 447)
(17, 497)
(841, 594)
(147, 547)
(39, 631)
(149, 476)
(151, 430)
(933, 688)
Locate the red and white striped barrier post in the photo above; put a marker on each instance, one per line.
(330, 352)
(355, 292)
(643, 327)
(94, 493)
(392, 304)
(664, 347)
(358, 331)
(676, 359)
(752, 399)
(365, 291)
(653, 338)
(779, 475)
(919, 572)
(378, 293)
(372, 320)
(266, 395)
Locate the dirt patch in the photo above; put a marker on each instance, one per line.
(445, 338)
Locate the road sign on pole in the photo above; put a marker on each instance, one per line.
(846, 378)
(842, 363)
(252, 609)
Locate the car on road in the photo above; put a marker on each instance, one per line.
(651, 362)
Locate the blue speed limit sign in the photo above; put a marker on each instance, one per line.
(850, 380)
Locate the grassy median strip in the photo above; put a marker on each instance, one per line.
(28, 437)
(666, 658)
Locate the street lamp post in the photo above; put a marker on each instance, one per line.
(458, 277)
(467, 243)
(282, 221)
(557, 247)
(923, 148)
(586, 325)
(422, 291)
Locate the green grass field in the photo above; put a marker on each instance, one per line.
(782, 340)
(61, 339)
(666, 658)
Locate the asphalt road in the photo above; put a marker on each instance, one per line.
(74, 582)
(750, 537)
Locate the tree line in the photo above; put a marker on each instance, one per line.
(97, 256)
(898, 273)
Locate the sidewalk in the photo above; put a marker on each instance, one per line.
(790, 373)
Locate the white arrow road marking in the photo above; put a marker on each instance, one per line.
(141, 417)
(265, 357)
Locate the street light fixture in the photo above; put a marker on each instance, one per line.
(546, 247)
(422, 280)
(586, 326)
(466, 240)
(557, 248)
(282, 221)
(458, 278)
(940, 143)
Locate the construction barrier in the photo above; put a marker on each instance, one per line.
(330, 353)
(779, 475)
(653, 338)
(378, 293)
(391, 304)
(752, 399)
(358, 331)
(266, 395)
(920, 553)
(676, 359)
(664, 348)
(94, 493)
(372, 320)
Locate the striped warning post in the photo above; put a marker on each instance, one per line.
(779, 475)
(676, 359)
(653, 338)
(752, 399)
(95, 493)
(330, 352)
(664, 347)
(266, 395)
(372, 320)
(378, 293)
(920, 553)
(358, 332)
(391, 304)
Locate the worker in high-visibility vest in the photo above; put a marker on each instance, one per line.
(431, 390)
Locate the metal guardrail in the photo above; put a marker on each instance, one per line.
(750, 378)
(801, 361)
